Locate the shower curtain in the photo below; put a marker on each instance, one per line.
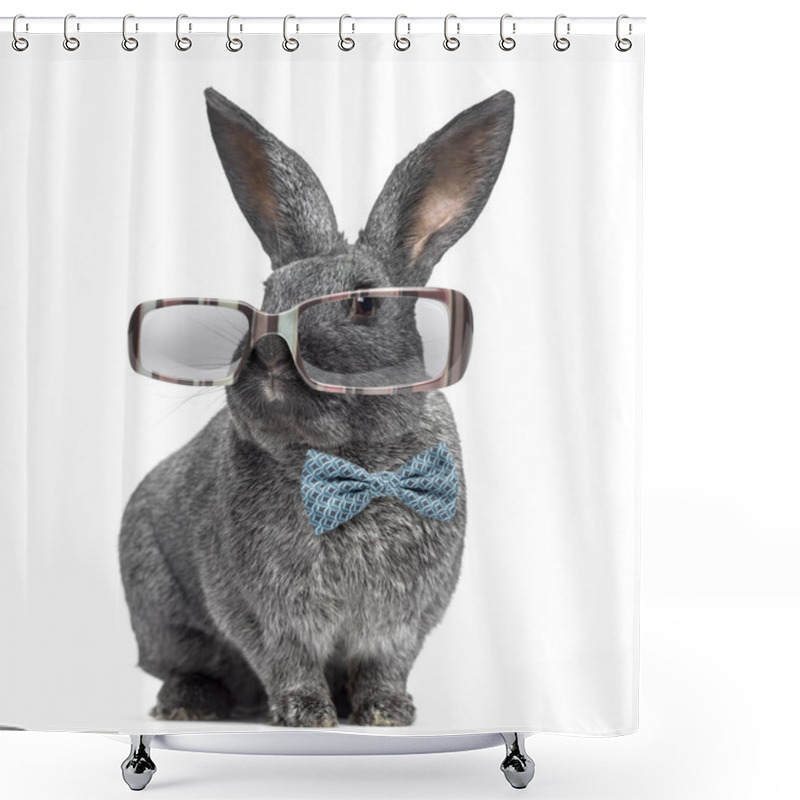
(170, 560)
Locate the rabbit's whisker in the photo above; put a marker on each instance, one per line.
(200, 392)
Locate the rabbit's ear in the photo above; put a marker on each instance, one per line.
(279, 194)
(435, 194)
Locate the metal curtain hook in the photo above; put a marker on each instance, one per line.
(623, 45)
(233, 44)
(507, 42)
(182, 42)
(401, 42)
(70, 42)
(451, 42)
(345, 42)
(561, 43)
(129, 43)
(289, 44)
(19, 43)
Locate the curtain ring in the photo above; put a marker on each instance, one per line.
(183, 43)
(129, 43)
(507, 42)
(623, 45)
(289, 44)
(233, 44)
(345, 42)
(401, 42)
(70, 42)
(451, 42)
(561, 43)
(19, 43)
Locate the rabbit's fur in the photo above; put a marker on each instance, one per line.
(234, 601)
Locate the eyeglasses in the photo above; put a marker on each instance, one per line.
(368, 341)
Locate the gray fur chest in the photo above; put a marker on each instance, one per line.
(271, 557)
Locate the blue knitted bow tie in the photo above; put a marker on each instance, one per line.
(334, 490)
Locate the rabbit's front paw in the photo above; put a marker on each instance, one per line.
(192, 697)
(302, 709)
(384, 710)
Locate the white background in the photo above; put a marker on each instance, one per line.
(721, 439)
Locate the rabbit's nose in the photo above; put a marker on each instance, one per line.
(273, 353)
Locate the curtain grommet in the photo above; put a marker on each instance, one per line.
(183, 43)
(451, 43)
(346, 43)
(129, 43)
(289, 44)
(401, 43)
(19, 43)
(233, 44)
(507, 43)
(561, 43)
(71, 43)
(623, 44)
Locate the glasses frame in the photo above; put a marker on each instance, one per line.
(285, 325)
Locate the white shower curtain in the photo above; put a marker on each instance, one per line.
(113, 194)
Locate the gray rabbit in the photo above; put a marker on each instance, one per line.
(236, 605)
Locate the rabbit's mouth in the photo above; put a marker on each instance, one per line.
(279, 384)
(273, 389)
(271, 403)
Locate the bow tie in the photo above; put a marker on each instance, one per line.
(334, 490)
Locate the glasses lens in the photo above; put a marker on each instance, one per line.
(193, 342)
(374, 342)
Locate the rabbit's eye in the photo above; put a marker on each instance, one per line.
(362, 308)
